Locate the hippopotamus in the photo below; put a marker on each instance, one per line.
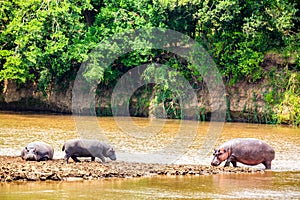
(248, 151)
(37, 151)
(88, 148)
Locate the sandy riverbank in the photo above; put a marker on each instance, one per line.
(16, 169)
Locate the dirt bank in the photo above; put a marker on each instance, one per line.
(243, 101)
(16, 169)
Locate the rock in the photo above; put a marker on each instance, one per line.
(8, 178)
(55, 177)
(32, 176)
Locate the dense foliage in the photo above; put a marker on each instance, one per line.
(46, 41)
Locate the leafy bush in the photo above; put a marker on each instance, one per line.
(288, 110)
(46, 41)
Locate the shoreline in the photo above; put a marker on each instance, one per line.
(13, 168)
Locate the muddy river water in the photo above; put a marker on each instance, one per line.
(154, 141)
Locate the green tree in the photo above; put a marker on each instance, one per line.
(239, 33)
(42, 40)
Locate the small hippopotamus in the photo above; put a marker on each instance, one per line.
(37, 151)
(248, 151)
(87, 148)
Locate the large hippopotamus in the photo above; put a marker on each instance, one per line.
(87, 148)
(248, 151)
(37, 151)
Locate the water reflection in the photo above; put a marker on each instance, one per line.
(269, 185)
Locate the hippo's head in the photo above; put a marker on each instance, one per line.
(111, 154)
(30, 154)
(219, 156)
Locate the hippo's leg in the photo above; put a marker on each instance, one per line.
(93, 158)
(75, 158)
(43, 159)
(102, 158)
(227, 164)
(234, 163)
(67, 156)
(267, 164)
(229, 160)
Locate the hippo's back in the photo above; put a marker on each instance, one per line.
(246, 141)
(45, 148)
(81, 147)
(250, 145)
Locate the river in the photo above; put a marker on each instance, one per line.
(163, 141)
